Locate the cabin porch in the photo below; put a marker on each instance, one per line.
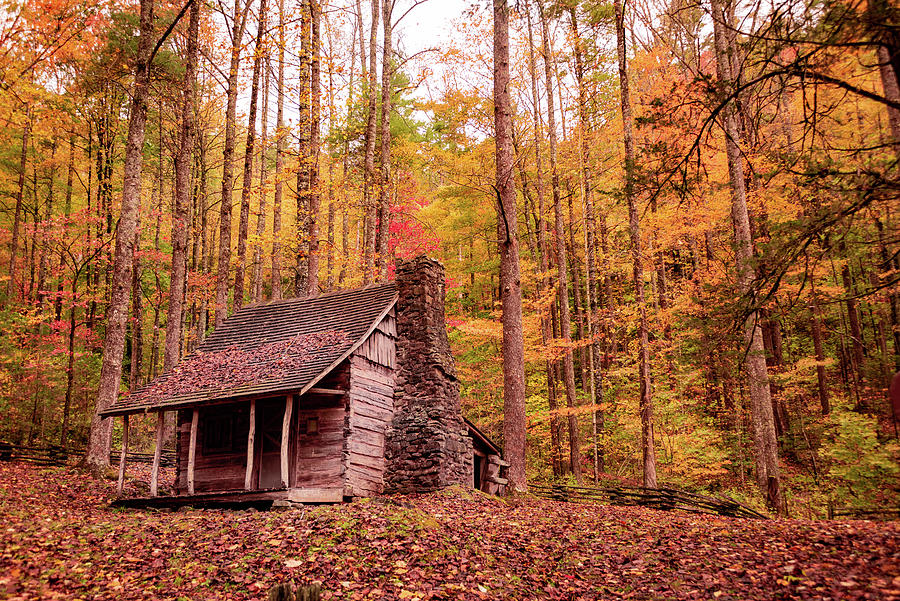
(235, 499)
(233, 449)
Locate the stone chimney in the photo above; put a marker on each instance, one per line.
(427, 445)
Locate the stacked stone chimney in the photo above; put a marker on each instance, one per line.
(427, 446)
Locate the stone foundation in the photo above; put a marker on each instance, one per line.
(427, 445)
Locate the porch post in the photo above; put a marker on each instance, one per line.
(251, 441)
(121, 484)
(192, 451)
(157, 453)
(285, 440)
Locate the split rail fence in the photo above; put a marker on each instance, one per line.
(58, 456)
(658, 498)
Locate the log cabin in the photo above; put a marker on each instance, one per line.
(320, 399)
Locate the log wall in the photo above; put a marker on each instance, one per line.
(369, 410)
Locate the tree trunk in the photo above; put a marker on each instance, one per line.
(856, 343)
(280, 135)
(590, 226)
(565, 320)
(369, 177)
(117, 312)
(315, 194)
(514, 420)
(648, 450)
(816, 326)
(137, 329)
(257, 285)
(384, 183)
(249, 148)
(768, 473)
(301, 267)
(183, 160)
(541, 226)
(223, 275)
(70, 178)
(11, 289)
(44, 261)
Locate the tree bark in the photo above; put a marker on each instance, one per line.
(223, 275)
(384, 183)
(768, 473)
(183, 159)
(257, 284)
(562, 284)
(117, 313)
(280, 135)
(315, 193)
(514, 419)
(301, 267)
(369, 177)
(648, 450)
(590, 227)
(20, 199)
(249, 149)
(137, 329)
(44, 261)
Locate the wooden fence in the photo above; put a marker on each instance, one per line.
(856, 513)
(56, 455)
(659, 498)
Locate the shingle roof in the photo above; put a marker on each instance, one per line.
(350, 315)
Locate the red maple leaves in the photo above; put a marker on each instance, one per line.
(237, 366)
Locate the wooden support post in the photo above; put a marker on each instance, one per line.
(251, 441)
(192, 452)
(121, 484)
(285, 440)
(157, 453)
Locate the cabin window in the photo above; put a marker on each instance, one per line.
(311, 426)
(218, 434)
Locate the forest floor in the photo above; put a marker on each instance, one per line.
(59, 539)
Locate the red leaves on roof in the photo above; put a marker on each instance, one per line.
(237, 366)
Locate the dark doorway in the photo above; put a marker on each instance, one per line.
(269, 418)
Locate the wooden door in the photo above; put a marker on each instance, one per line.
(269, 417)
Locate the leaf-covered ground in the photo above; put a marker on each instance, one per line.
(60, 540)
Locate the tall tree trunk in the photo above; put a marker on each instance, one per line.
(280, 135)
(510, 282)
(70, 179)
(590, 228)
(257, 285)
(11, 289)
(301, 269)
(315, 194)
(546, 325)
(384, 183)
(768, 472)
(137, 329)
(249, 149)
(648, 450)
(816, 326)
(44, 261)
(223, 275)
(565, 320)
(183, 160)
(369, 177)
(117, 312)
(856, 342)
(70, 366)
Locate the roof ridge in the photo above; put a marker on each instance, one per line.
(322, 295)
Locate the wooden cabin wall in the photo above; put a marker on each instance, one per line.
(215, 471)
(371, 407)
(317, 458)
